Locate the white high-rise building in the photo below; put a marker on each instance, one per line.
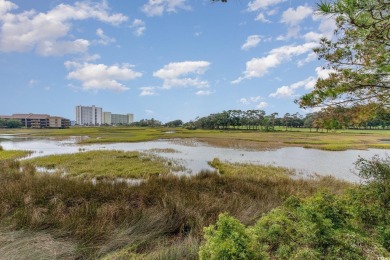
(89, 115)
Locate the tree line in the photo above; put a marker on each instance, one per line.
(329, 119)
(10, 123)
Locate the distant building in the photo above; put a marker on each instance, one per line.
(107, 118)
(117, 119)
(40, 120)
(89, 115)
(95, 116)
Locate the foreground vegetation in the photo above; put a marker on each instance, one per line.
(355, 225)
(340, 140)
(160, 218)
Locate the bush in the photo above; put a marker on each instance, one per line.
(325, 226)
(376, 172)
(228, 239)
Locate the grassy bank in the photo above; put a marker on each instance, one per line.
(162, 218)
(340, 140)
(12, 154)
(106, 165)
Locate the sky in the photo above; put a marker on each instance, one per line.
(161, 59)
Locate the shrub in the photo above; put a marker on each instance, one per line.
(376, 172)
(353, 226)
(228, 239)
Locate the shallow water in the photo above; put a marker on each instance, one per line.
(195, 155)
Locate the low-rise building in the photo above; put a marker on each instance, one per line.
(40, 120)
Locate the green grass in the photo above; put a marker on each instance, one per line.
(250, 170)
(12, 154)
(162, 218)
(380, 146)
(106, 164)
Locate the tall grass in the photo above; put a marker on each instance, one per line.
(162, 218)
(21, 244)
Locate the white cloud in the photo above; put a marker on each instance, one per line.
(58, 48)
(272, 12)
(204, 93)
(100, 76)
(159, 7)
(284, 91)
(47, 33)
(262, 105)
(263, 5)
(256, 5)
(148, 91)
(104, 39)
(251, 42)
(309, 58)
(138, 26)
(324, 73)
(258, 67)
(254, 101)
(312, 37)
(289, 91)
(294, 17)
(86, 10)
(250, 100)
(308, 83)
(6, 6)
(178, 74)
(261, 17)
(90, 57)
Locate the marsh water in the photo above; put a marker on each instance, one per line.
(194, 156)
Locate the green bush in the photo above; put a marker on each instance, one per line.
(355, 225)
(228, 239)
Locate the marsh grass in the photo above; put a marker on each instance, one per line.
(344, 139)
(380, 146)
(12, 154)
(163, 150)
(106, 164)
(162, 218)
(250, 170)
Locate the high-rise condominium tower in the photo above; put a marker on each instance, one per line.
(89, 115)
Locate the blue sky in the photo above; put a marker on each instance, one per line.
(162, 59)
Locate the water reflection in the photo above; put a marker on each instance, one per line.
(195, 156)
